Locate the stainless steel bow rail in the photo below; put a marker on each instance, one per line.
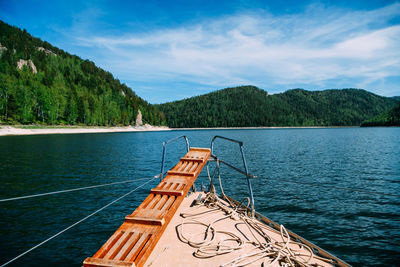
(214, 158)
(164, 144)
(245, 172)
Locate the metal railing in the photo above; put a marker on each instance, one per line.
(165, 149)
(245, 172)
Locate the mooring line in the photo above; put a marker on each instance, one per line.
(78, 222)
(70, 190)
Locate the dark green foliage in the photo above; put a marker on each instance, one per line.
(65, 89)
(390, 118)
(248, 106)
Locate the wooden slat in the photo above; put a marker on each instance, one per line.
(118, 245)
(133, 254)
(167, 192)
(199, 149)
(108, 245)
(134, 241)
(92, 262)
(134, 238)
(180, 173)
(193, 159)
(142, 220)
(161, 203)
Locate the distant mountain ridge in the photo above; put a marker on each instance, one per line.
(40, 83)
(389, 118)
(249, 106)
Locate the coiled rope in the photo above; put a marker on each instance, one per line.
(269, 250)
(286, 251)
(78, 222)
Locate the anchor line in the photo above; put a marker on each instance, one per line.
(76, 223)
(71, 190)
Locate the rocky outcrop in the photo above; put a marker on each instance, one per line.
(2, 48)
(139, 121)
(21, 63)
(46, 51)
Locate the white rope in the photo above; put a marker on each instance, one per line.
(78, 222)
(270, 251)
(70, 190)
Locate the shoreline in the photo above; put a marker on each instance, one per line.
(25, 130)
(263, 127)
(8, 130)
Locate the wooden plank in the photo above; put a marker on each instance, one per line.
(108, 245)
(179, 173)
(117, 246)
(193, 159)
(167, 192)
(161, 203)
(127, 247)
(200, 149)
(92, 262)
(134, 241)
(143, 220)
(182, 167)
(133, 254)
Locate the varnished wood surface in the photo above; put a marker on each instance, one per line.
(135, 239)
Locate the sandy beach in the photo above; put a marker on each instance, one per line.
(21, 130)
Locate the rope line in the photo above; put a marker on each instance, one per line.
(70, 190)
(332, 186)
(78, 222)
(270, 250)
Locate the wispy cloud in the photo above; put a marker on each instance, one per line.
(321, 48)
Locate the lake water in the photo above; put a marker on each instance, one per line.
(358, 227)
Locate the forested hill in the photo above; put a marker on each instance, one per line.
(389, 118)
(248, 106)
(40, 83)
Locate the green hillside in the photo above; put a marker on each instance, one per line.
(248, 106)
(54, 87)
(389, 118)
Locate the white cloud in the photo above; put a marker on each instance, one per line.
(319, 47)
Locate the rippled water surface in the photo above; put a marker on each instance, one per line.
(359, 227)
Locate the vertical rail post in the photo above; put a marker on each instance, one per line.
(165, 149)
(248, 181)
(246, 172)
(163, 161)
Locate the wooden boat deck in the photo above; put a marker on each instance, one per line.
(135, 239)
(152, 234)
(172, 251)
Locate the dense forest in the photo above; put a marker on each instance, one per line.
(248, 106)
(40, 83)
(389, 118)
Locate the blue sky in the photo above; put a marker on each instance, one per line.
(169, 50)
